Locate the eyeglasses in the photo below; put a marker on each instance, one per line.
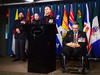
(75, 28)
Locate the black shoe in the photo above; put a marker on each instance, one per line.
(24, 60)
(15, 60)
(13, 56)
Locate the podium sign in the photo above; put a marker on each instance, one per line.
(41, 48)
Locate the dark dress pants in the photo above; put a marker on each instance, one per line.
(69, 51)
(19, 48)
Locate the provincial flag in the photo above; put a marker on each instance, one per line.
(16, 15)
(79, 19)
(32, 17)
(27, 15)
(87, 28)
(59, 35)
(13, 40)
(39, 13)
(71, 18)
(51, 13)
(64, 23)
(95, 34)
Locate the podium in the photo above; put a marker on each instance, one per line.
(41, 47)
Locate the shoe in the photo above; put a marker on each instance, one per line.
(15, 60)
(24, 60)
(13, 56)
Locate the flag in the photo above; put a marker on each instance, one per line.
(13, 40)
(16, 16)
(27, 15)
(79, 19)
(64, 23)
(95, 35)
(32, 17)
(71, 18)
(59, 35)
(39, 13)
(87, 28)
(51, 13)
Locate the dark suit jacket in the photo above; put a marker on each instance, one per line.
(43, 19)
(69, 38)
(17, 24)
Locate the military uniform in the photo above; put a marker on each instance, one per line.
(48, 20)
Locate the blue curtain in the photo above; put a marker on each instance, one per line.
(20, 9)
(68, 10)
(82, 9)
(42, 10)
(75, 8)
(61, 11)
(91, 5)
(54, 9)
(98, 9)
(36, 9)
(11, 23)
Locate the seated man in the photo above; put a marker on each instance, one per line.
(74, 42)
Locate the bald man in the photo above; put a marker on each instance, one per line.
(37, 21)
(48, 19)
(20, 37)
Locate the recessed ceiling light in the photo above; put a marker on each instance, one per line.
(29, 0)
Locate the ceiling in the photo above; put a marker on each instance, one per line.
(4, 9)
(11, 1)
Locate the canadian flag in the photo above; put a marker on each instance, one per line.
(13, 42)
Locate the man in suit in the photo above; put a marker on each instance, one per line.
(48, 19)
(74, 42)
(37, 21)
(20, 37)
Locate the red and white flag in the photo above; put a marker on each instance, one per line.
(71, 18)
(51, 13)
(32, 17)
(13, 40)
(87, 28)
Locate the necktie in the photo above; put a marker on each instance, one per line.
(75, 38)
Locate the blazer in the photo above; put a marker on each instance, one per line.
(17, 24)
(70, 38)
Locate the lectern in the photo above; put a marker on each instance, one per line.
(41, 47)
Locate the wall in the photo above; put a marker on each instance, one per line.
(3, 41)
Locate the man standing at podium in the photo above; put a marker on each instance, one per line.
(37, 21)
(20, 37)
(48, 19)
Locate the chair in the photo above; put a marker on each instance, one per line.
(84, 58)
